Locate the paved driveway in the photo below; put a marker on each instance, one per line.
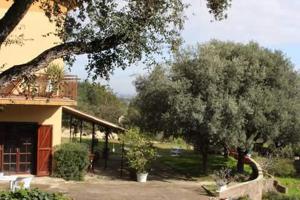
(124, 190)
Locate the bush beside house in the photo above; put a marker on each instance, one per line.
(71, 161)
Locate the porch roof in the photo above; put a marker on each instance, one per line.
(92, 119)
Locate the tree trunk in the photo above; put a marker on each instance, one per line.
(240, 163)
(225, 152)
(204, 153)
(204, 161)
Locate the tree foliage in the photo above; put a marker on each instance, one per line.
(140, 151)
(147, 110)
(100, 101)
(222, 93)
(112, 33)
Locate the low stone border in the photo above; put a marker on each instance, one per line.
(271, 184)
(253, 188)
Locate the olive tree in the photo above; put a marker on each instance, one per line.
(223, 93)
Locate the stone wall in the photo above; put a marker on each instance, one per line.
(270, 185)
(253, 188)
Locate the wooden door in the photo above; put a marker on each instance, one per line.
(2, 132)
(17, 145)
(44, 150)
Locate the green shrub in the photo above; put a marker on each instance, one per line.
(296, 150)
(278, 196)
(244, 198)
(285, 152)
(140, 153)
(71, 161)
(31, 194)
(282, 167)
(179, 142)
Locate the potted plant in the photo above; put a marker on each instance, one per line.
(55, 75)
(222, 178)
(140, 154)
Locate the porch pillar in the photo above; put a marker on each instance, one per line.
(70, 124)
(106, 150)
(93, 139)
(81, 127)
(122, 159)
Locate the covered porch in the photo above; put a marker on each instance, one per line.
(77, 121)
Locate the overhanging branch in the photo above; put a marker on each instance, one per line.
(59, 51)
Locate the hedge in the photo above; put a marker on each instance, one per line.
(71, 161)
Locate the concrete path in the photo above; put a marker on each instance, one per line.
(124, 190)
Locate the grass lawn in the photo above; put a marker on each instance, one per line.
(187, 165)
(293, 185)
(284, 171)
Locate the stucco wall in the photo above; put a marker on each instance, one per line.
(44, 115)
(34, 25)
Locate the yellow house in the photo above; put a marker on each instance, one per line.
(31, 114)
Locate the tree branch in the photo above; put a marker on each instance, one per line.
(59, 51)
(12, 17)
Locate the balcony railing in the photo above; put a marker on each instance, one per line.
(42, 87)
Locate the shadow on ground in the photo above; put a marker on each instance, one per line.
(185, 167)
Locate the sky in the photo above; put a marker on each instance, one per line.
(274, 24)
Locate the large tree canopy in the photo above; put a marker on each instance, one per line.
(222, 93)
(112, 33)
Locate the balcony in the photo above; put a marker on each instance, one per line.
(41, 91)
